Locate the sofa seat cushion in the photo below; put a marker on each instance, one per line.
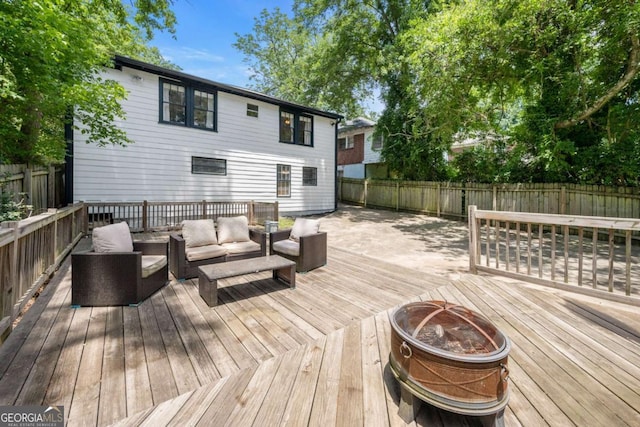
(242, 247)
(233, 229)
(112, 238)
(199, 232)
(204, 252)
(287, 247)
(152, 264)
(304, 227)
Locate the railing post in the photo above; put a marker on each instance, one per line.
(145, 215)
(54, 212)
(251, 212)
(203, 209)
(276, 214)
(473, 239)
(85, 217)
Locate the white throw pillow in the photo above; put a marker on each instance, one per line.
(233, 229)
(304, 227)
(199, 232)
(112, 238)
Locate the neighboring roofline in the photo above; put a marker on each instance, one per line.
(120, 61)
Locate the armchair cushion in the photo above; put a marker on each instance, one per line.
(204, 252)
(288, 247)
(112, 238)
(241, 247)
(233, 229)
(152, 264)
(199, 232)
(304, 227)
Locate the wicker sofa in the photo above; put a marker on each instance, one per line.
(202, 242)
(304, 243)
(117, 270)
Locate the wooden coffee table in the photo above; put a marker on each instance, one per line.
(284, 270)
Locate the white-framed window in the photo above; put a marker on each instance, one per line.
(184, 105)
(252, 110)
(377, 142)
(284, 181)
(346, 143)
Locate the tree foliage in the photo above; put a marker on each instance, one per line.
(51, 53)
(556, 79)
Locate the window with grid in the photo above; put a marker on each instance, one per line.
(296, 128)
(376, 143)
(284, 181)
(252, 110)
(183, 105)
(309, 176)
(346, 142)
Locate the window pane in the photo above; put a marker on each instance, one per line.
(310, 176)
(173, 103)
(252, 110)
(284, 181)
(203, 111)
(204, 165)
(305, 127)
(286, 126)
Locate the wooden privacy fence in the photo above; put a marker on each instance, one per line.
(451, 199)
(588, 254)
(162, 216)
(41, 187)
(30, 251)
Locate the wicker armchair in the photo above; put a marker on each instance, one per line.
(309, 251)
(116, 278)
(117, 271)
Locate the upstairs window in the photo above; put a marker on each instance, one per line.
(296, 128)
(252, 110)
(376, 143)
(346, 142)
(183, 105)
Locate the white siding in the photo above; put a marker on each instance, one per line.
(370, 156)
(157, 167)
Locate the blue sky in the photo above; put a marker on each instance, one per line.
(205, 34)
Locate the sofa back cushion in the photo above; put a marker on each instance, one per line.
(112, 238)
(233, 229)
(304, 227)
(199, 232)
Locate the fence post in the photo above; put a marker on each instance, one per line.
(365, 192)
(397, 195)
(438, 200)
(51, 187)
(494, 203)
(27, 185)
(563, 200)
(473, 229)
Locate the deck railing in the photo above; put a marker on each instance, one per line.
(164, 216)
(587, 254)
(30, 251)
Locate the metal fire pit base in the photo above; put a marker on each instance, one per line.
(412, 397)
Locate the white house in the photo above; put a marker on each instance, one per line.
(359, 150)
(195, 139)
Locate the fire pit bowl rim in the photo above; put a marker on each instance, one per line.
(493, 356)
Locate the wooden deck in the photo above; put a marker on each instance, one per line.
(314, 355)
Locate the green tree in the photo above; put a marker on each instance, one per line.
(569, 68)
(51, 54)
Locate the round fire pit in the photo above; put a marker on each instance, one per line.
(451, 357)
